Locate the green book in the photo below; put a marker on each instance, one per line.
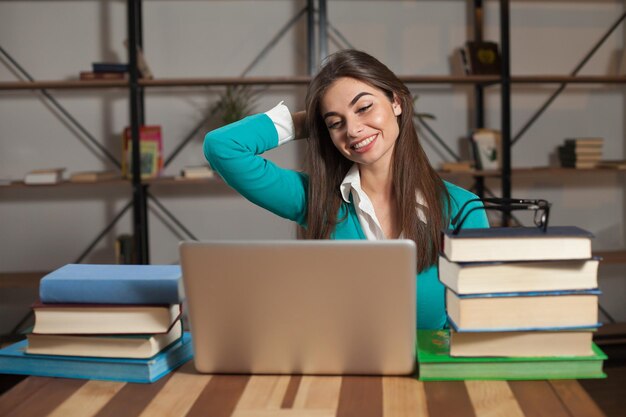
(436, 364)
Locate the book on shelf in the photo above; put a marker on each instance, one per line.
(195, 172)
(91, 75)
(527, 344)
(109, 67)
(94, 176)
(612, 164)
(497, 277)
(580, 151)
(516, 311)
(104, 319)
(483, 57)
(44, 176)
(15, 360)
(584, 142)
(486, 145)
(572, 155)
(579, 164)
(112, 284)
(103, 345)
(151, 151)
(458, 166)
(436, 364)
(517, 244)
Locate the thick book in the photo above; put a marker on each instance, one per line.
(112, 284)
(196, 172)
(15, 360)
(525, 343)
(150, 151)
(109, 67)
(612, 164)
(517, 244)
(436, 364)
(104, 319)
(523, 310)
(91, 75)
(495, 277)
(103, 346)
(579, 150)
(579, 164)
(94, 176)
(578, 142)
(44, 176)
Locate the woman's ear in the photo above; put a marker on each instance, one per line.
(395, 104)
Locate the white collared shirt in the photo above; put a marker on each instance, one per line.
(351, 184)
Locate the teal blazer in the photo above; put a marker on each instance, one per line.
(233, 151)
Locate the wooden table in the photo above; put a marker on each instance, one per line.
(187, 393)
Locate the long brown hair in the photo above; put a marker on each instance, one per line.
(411, 170)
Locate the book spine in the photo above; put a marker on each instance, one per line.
(108, 67)
(109, 292)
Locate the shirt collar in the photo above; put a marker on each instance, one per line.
(350, 181)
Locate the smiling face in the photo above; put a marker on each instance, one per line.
(361, 121)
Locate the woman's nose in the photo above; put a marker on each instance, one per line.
(354, 127)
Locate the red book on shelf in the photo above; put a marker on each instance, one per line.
(151, 151)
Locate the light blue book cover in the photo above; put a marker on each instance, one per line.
(14, 360)
(112, 284)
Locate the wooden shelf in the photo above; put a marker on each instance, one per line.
(119, 181)
(20, 184)
(558, 79)
(66, 85)
(305, 80)
(532, 171)
(217, 180)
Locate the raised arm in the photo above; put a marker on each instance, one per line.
(233, 151)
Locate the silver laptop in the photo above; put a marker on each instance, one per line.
(302, 307)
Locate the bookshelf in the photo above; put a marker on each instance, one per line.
(136, 87)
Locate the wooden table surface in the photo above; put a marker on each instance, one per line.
(187, 393)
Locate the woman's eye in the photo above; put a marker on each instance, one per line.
(334, 125)
(364, 108)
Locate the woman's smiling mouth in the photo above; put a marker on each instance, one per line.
(362, 145)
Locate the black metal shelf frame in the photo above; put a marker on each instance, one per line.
(319, 32)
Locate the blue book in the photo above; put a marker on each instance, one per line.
(109, 67)
(14, 360)
(517, 244)
(112, 284)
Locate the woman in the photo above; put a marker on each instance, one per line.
(367, 175)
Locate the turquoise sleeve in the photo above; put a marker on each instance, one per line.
(233, 152)
(431, 308)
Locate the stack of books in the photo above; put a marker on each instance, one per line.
(111, 322)
(522, 304)
(105, 71)
(582, 153)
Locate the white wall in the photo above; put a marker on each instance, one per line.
(44, 228)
